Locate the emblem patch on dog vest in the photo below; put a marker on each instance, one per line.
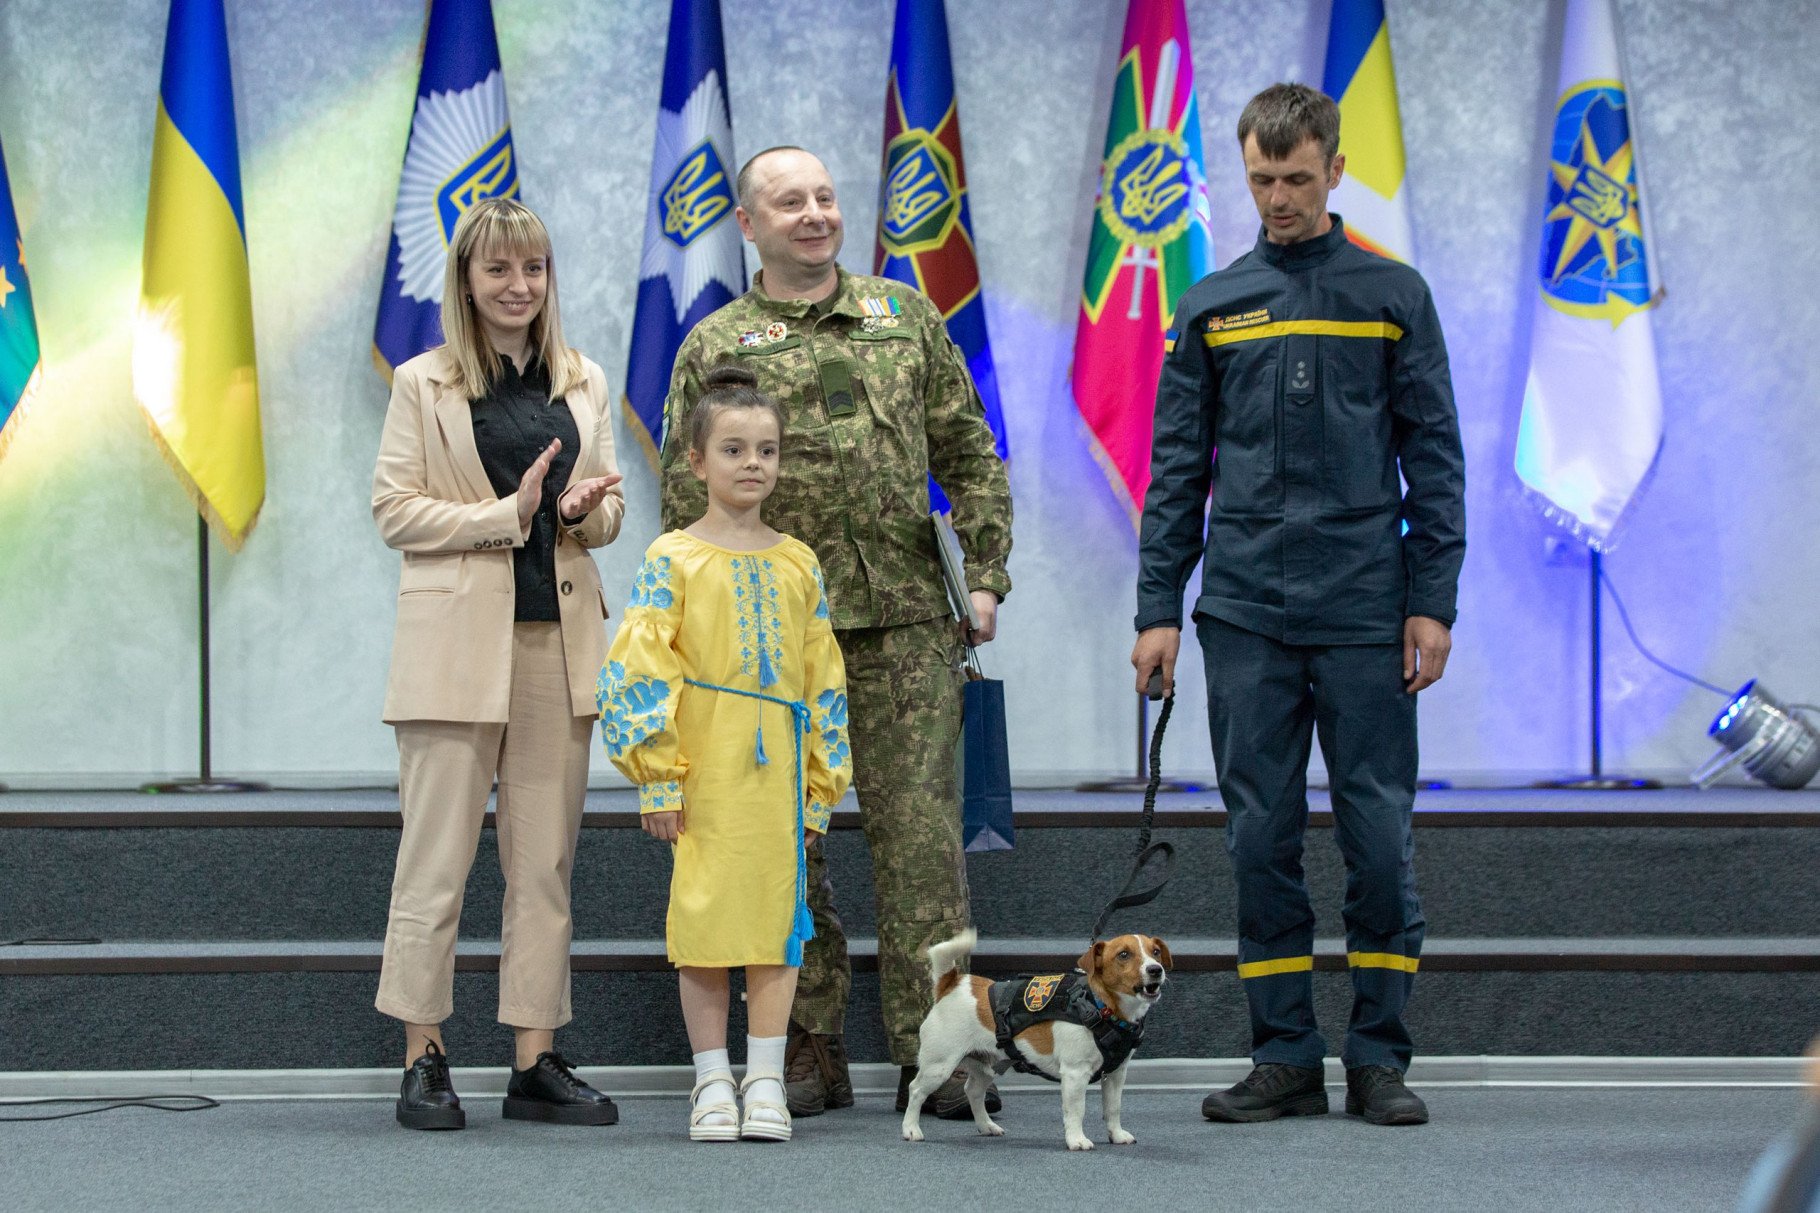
(1040, 990)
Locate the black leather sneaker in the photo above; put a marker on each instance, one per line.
(949, 1101)
(815, 1073)
(426, 1100)
(1268, 1092)
(550, 1092)
(1377, 1093)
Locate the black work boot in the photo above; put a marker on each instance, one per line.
(815, 1073)
(550, 1092)
(1269, 1091)
(1377, 1093)
(948, 1101)
(426, 1100)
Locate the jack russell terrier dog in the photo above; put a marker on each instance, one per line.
(1074, 1028)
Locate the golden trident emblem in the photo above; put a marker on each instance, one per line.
(695, 198)
(484, 182)
(1151, 187)
(914, 189)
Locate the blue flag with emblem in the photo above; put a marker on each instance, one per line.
(460, 151)
(18, 328)
(1592, 408)
(693, 262)
(925, 221)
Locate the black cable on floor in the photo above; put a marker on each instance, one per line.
(158, 1103)
(1643, 649)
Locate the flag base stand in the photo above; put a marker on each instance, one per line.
(1599, 783)
(1140, 782)
(1131, 783)
(204, 786)
(1598, 780)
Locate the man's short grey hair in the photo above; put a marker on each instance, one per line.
(1285, 116)
(742, 186)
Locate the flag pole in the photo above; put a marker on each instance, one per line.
(205, 780)
(1597, 780)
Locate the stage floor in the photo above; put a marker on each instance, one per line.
(1454, 806)
(1660, 1150)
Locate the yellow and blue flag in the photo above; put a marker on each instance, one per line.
(194, 373)
(460, 151)
(925, 221)
(18, 328)
(1592, 409)
(1360, 76)
(694, 262)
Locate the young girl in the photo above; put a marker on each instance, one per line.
(724, 698)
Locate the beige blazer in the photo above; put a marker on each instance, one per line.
(452, 648)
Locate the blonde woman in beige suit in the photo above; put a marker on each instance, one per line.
(495, 475)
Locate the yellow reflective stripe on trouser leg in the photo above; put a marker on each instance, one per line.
(1270, 968)
(1382, 960)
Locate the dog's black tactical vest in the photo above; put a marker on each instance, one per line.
(1023, 1001)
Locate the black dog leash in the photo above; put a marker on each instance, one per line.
(1146, 850)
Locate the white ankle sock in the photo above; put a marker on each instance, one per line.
(765, 1058)
(715, 1092)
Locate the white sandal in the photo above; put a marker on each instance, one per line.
(698, 1113)
(754, 1129)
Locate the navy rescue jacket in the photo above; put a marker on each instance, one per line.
(1318, 373)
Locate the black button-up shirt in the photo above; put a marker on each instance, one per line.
(513, 424)
(1317, 372)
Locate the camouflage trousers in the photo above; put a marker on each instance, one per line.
(903, 723)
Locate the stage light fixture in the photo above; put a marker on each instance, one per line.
(1774, 743)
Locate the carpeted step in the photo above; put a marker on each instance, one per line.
(176, 878)
(289, 1004)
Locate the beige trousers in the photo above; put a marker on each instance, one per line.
(445, 770)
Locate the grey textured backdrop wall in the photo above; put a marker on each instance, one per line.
(97, 544)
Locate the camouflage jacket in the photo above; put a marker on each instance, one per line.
(875, 397)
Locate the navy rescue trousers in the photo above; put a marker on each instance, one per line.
(1265, 701)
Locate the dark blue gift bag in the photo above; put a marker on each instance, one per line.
(985, 764)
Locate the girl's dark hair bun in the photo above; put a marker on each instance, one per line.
(729, 374)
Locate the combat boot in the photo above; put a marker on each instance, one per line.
(815, 1073)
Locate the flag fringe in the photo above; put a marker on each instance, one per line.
(636, 424)
(1111, 470)
(21, 408)
(198, 498)
(381, 365)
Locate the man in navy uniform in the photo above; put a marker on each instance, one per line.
(1318, 373)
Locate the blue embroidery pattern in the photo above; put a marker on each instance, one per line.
(630, 712)
(651, 588)
(821, 593)
(831, 723)
(761, 647)
(664, 797)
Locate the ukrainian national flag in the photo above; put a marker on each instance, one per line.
(460, 151)
(694, 262)
(193, 368)
(1360, 76)
(1592, 410)
(925, 221)
(1152, 240)
(18, 329)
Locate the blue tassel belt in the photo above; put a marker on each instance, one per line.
(802, 928)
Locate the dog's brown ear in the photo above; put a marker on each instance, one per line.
(1162, 953)
(1090, 959)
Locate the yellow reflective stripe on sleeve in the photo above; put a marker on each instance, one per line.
(1316, 328)
(1270, 968)
(1382, 960)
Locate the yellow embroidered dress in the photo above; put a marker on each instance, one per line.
(724, 696)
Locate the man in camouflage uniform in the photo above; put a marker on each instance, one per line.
(876, 398)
